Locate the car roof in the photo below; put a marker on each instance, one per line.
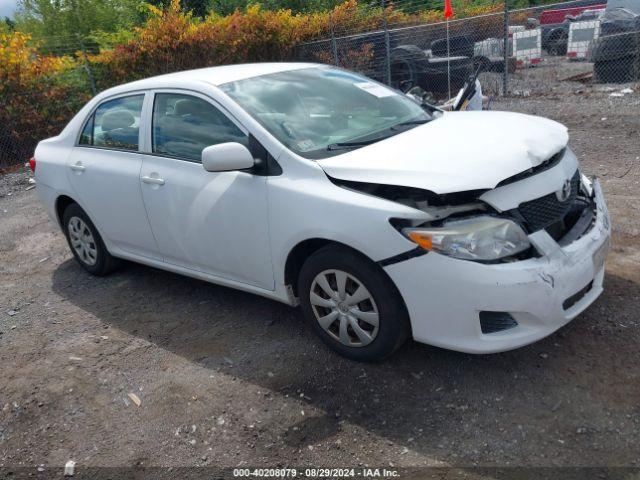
(212, 75)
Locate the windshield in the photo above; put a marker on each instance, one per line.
(320, 112)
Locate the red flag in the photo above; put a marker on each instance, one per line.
(448, 11)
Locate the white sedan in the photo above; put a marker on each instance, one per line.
(312, 185)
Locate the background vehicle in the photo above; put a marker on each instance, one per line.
(616, 54)
(556, 16)
(556, 34)
(428, 69)
(488, 54)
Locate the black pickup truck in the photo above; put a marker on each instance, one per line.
(418, 57)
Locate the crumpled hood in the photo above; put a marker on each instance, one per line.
(457, 152)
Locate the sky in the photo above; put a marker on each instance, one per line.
(7, 8)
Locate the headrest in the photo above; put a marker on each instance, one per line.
(188, 107)
(117, 119)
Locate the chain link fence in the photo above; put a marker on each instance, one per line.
(525, 52)
(535, 51)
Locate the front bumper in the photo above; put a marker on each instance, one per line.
(444, 295)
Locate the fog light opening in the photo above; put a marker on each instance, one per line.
(492, 322)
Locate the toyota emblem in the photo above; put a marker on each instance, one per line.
(565, 192)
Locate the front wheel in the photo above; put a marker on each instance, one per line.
(352, 305)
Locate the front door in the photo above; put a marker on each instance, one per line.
(214, 223)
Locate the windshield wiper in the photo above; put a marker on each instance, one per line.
(410, 122)
(346, 145)
(362, 143)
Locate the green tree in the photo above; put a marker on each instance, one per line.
(225, 7)
(59, 23)
(8, 25)
(199, 8)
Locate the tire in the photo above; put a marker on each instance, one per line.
(86, 243)
(382, 297)
(615, 71)
(408, 63)
(558, 43)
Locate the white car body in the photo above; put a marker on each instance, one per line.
(239, 230)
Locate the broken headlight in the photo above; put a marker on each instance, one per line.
(477, 238)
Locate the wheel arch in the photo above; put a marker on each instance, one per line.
(298, 255)
(305, 248)
(62, 202)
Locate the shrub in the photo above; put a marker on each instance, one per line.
(173, 40)
(39, 94)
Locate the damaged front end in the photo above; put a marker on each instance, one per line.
(469, 225)
(482, 306)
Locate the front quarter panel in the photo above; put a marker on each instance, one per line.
(304, 204)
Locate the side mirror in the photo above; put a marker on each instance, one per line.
(226, 157)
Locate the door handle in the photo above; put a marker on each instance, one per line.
(77, 167)
(153, 180)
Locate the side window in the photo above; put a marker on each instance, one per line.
(86, 137)
(114, 124)
(184, 125)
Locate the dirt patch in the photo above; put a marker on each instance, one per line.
(229, 379)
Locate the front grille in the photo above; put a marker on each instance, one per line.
(545, 211)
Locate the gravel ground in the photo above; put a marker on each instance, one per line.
(229, 379)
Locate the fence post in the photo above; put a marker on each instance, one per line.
(387, 45)
(636, 67)
(334, 45)
(87, 67)
(505, 70)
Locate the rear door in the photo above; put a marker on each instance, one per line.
(214, 223)
(104, 171)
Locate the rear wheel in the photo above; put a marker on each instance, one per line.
(352, 305)
(86, 243)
